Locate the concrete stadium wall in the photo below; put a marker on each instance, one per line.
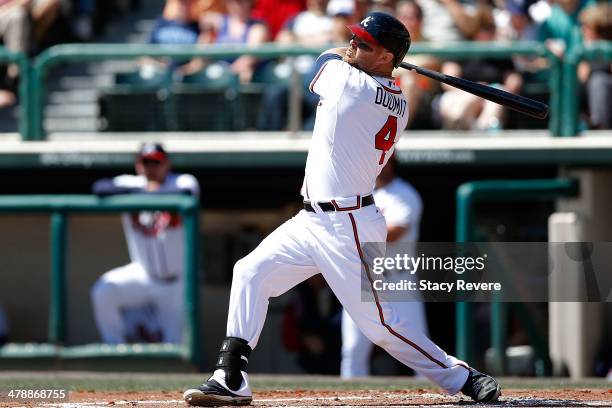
(578, 331)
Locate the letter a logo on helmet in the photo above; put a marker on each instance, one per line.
(385, 30)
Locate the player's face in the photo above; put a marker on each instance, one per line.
(365, 55)
(152, 169)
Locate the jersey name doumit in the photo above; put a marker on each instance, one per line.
(359, 120)
(394, 103)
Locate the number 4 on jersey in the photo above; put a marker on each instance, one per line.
(385, 138)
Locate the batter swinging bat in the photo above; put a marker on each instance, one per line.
(516, 102)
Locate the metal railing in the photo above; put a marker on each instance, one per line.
(569, 119)
(468, 195)
(72, 53)
(60, 207)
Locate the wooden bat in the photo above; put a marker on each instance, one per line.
(518, 103)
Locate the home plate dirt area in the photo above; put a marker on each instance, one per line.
(372, 398)
(165, 390)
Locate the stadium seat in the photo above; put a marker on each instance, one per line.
(251, 94)
(137, 102)
(273, 73)
(206, 99)
(147, 76)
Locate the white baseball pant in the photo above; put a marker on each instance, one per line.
(131, 286)
(329, 243)
(356, 347)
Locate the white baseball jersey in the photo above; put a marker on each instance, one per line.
(156, 239)
(402, 206)
(359, 120)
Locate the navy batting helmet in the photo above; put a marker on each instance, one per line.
(385, 30)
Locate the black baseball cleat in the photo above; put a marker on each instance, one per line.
(481, 387)
(213, 394)
(229, 383)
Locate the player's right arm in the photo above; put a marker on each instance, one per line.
(109, 186)
(126, 184)
(123, 184)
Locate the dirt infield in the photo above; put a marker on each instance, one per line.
(95, 389)
(372, 398)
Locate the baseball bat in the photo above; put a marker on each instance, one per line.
(518, 103)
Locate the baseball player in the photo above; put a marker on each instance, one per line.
(401, 205)
(155, 244)
(360, 117)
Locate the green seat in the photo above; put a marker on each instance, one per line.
(272, 73)
(214, 76)
(251, 94)
(146, 76)
(128, 109)
(206, 99)
(137, 102)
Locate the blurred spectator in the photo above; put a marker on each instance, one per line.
(411, 15)
(235, 27)
(311, 327)
(276, 13)
(540, 10)
(518, 24)
(596, 75)
(561, 31)
(448, 20)
(362, 8)
(44, 13)
(418, 88)
(312, 27)
(460, 110)
(63, 21)
(343, 14)
(384, 6)
(83, 19)
(178, 23)
(15, 32)
(89, 18)
(153, 282)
